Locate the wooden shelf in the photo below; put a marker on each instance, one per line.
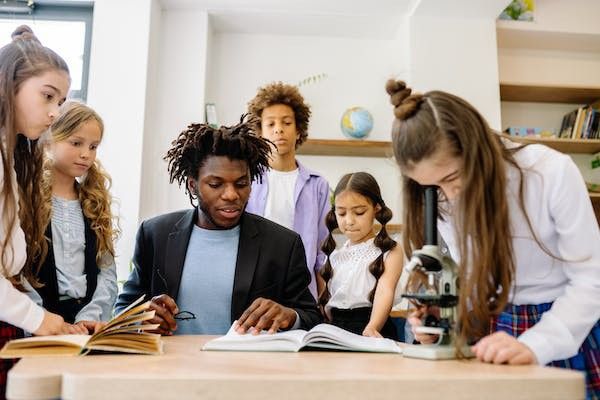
(581, 146)
(548, 94)
(595, 196)
(354, 148)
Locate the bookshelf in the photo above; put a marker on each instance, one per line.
(548, 93)
(577, 146)
(353, 148)
(545, 63)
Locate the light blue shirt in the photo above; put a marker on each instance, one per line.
(207, 281)
(68, 244)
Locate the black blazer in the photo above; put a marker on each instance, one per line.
(270, 263)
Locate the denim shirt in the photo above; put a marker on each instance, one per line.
(311, 199)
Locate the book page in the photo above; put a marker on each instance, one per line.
(44, 346)
(280, 341)
(327, 336)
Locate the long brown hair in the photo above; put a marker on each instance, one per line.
(94, 189)
(437, 120)
(20, 60)
(364, 184)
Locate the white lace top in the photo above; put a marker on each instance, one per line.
(352, 282)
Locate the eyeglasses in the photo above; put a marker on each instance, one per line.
(181, 315)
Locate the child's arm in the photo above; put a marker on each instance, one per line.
(100, 306)
(384, 294)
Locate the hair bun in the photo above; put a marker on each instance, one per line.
(24, 32)
(405, 104)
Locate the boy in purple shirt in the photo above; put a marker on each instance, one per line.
(290, 194)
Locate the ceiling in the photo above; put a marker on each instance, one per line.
(354, 18)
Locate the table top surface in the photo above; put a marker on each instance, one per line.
(184, 368)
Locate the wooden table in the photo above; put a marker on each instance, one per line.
(184, 372)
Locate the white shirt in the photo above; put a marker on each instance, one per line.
(280, 207)
(560, 211)
(352, 281)
(15, 307)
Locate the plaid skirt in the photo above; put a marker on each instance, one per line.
(7, 332)
(515, 320)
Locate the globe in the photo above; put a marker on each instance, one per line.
(356, 123)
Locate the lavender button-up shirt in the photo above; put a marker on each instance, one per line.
(311, 199)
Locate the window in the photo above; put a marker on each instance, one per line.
(63, 27)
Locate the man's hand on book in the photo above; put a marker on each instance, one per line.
(265, 314)
(165, 308)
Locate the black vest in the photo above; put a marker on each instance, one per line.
(47, 275)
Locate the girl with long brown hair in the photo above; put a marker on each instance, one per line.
(79, 274)
(34, 81)
(519, 223)
(360, 277)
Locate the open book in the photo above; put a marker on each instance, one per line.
(123, 334)
(322, 336)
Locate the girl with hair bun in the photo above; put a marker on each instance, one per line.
(362, 275)
(79, 274)
(519, 222)
(34, 82)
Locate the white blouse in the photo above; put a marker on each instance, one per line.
(560, 211)
(15, 307)
(351, 281)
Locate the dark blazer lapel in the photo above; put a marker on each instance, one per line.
(247, 258)
(176, 249)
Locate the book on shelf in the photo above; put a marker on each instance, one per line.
(322, 336)
(582, 123)
(122, 334)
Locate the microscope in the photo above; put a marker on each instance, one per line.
(432, 281)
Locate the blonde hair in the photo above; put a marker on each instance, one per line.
(93, 190)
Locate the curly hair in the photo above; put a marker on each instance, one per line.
(364, 184)
(200, 141)
(23, 58)
(281, 93)
(94, 188)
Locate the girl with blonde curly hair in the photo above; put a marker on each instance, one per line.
(79, 273)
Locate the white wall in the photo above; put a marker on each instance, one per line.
(457, 55)
(356, 70)
(117, 90)
(177, 100)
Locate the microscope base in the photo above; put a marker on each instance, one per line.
(434, 351)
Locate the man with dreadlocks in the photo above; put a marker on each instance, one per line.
(216, 261)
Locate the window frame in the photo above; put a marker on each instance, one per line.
(60, 11)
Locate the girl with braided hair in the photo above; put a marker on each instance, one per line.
(360, 277)
(519, 223)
